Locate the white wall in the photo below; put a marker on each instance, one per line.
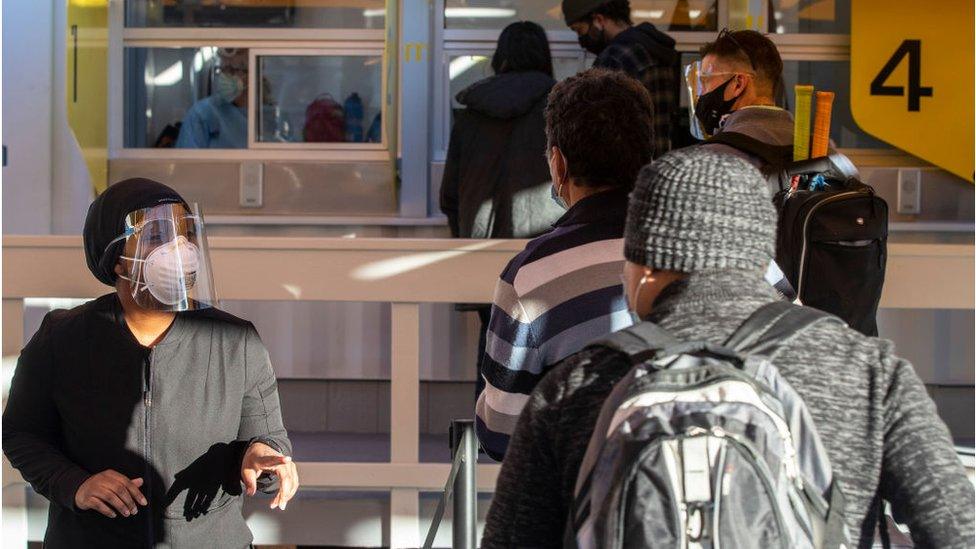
(46, 187)
(27, 82)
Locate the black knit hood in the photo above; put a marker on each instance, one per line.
(507, 95)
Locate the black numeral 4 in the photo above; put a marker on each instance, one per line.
(913, 49)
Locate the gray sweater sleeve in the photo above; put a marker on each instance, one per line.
(921, 475)
(526, 510)
(261, 410)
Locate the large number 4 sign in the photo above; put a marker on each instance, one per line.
(913, 49)
(887, 57)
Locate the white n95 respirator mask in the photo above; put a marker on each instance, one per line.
(170, 271)
(165, 258)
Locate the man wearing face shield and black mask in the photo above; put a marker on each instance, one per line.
(642, 51)
(737, 87)
(146, 414)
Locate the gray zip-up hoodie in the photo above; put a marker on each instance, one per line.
(771, 125)
(881, 430)
(87, 397)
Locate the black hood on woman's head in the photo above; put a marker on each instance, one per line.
(506, 95)
(106, 220)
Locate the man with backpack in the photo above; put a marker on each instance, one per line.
(605, 29)
(698, 238)
(737, 82)
(831, 257)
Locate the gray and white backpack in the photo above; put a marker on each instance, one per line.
(707, 446)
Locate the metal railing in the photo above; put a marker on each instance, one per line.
(459, 489)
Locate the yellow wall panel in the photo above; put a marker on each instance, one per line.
(87, 84)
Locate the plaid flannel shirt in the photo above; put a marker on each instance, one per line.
(659, 79)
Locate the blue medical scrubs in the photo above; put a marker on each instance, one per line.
(212, 123)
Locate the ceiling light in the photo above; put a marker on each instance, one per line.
(486, 13)
(648, 14)
(170, 76)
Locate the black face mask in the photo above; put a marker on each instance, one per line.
(712, 107)
(593, 44)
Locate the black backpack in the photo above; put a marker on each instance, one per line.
(833, 230)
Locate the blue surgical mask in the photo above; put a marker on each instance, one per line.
(227, 87)
(556, 198)
(632, 307)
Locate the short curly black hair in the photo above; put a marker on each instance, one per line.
(603, 123)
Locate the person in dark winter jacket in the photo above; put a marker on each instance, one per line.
(496, 180)
(605, 29)
(146, 414)
(697, 240)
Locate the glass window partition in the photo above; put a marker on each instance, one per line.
(825, 17)
(314, 97)
(673, 15)
(294, 14)
(185, 98)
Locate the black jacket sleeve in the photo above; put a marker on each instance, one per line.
(261, 409)
(32, 426)
(451, 181)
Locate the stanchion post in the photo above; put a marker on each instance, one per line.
(464, 440)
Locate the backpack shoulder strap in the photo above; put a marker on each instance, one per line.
(774, 157)
(774, 325)
(639, 342)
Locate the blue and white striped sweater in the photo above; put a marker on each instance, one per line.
(560, 293)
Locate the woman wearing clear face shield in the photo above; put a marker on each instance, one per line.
(146, 414)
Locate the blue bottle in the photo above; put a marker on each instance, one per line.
(375, 135)
(353, 108)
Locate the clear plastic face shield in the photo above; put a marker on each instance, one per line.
(697, 79)
(166, 260)
(695, 90)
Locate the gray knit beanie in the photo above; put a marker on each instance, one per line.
(695, 209)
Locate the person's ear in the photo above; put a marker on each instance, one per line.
(737, 88)
(598, 22)
(557, 166)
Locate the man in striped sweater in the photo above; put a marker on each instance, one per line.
(564, 289)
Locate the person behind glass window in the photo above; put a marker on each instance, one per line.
(496, 179)
(219, 121)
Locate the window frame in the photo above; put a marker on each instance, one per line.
(366, 42)
(252, 76)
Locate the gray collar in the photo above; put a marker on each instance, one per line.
(706, 291)
(771, 125)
